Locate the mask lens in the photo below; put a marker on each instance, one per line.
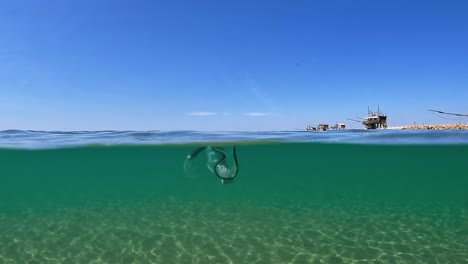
(226, 167)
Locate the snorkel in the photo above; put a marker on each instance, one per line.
(218, 162)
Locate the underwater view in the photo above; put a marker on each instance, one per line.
(276, 198)
(237, 132)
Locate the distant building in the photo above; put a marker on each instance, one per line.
(320, 127)
(339, 126)
(375, 120)
(323, 127)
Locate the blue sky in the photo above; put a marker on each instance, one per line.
(228, 65)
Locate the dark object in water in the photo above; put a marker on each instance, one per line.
(218, 162)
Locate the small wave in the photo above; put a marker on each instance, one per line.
(32, 139)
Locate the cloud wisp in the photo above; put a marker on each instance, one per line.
(201, 114)
(255, 114)
(258, 114)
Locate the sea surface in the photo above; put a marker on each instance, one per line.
(352, 196)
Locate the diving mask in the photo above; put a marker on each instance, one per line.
(221, 161)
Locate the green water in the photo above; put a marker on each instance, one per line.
(291, 203)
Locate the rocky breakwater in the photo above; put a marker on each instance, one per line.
(439, 127)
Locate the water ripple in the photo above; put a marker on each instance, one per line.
(31, 139)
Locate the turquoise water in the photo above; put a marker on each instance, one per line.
(124, 197)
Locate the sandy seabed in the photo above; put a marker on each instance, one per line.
(190, 232)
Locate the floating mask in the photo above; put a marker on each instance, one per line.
(220, 160)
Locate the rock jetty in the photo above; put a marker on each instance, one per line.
(438, 127)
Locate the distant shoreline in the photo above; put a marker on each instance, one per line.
(433, 127)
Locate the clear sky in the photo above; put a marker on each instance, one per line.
(229, 65)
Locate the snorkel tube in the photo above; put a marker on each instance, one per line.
(221, 167)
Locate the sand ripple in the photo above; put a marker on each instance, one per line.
(189, 232)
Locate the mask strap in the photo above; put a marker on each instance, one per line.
(195, 153)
